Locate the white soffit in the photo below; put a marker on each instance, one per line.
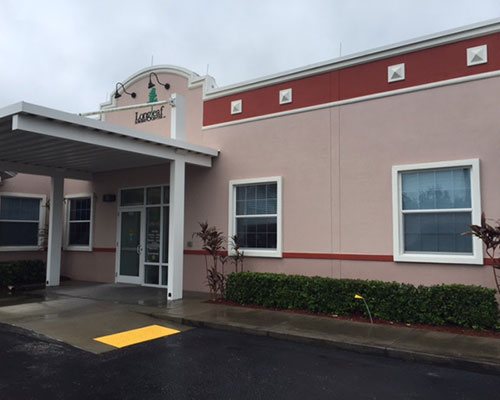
(396, 73)
(477, 55)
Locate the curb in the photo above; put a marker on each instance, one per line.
(468, 364)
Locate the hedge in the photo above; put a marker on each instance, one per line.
(466, 306)
(24, 272)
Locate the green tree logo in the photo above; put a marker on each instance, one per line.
(153, 98)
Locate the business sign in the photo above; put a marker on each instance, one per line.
(152, 115)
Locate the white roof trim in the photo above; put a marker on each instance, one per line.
(421, 43)
(61, 116)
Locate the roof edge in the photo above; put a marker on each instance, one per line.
(398, 48)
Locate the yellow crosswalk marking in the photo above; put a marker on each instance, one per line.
(135, 336)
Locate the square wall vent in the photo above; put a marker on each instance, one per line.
(285, 96)
(396, 73)
(477, 55)
(236, 107)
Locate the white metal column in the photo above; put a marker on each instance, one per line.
(176, 229)
(55, 231)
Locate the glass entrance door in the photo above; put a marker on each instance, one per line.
(142, 253)
(130, 246)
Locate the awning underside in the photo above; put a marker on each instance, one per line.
(41, 145)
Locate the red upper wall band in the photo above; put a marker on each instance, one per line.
(430, 65)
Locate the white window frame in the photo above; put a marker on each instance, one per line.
(250, 252)
(67, 246)
(41, 222)
(397, 218)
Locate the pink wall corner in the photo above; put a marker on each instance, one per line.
(88, 266)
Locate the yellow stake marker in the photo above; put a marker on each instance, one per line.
(134, 336)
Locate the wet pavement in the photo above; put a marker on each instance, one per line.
(211, 364)
(76, 313)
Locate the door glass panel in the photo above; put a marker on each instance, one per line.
(130, 240)
(165, 234)
(132, 197)
(164, 275)
(153, 234)
(151, 274)
(153, 195)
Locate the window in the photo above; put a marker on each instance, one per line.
(433, 205)
(79, 222)
(255, 215)
(21, 219)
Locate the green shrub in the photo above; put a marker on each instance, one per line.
(466, 306)
(24, 272)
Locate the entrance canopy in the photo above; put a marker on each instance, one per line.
(43, 141)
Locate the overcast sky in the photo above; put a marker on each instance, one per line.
(69, 54)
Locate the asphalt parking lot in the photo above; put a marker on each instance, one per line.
(211, 364)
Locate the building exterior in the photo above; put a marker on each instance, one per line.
(369, 166)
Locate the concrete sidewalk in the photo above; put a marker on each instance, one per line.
(454, 350)
(77, 312)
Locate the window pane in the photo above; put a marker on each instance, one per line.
(153, 234)
(258, 232)
(152, 274)
(79, 233)
(153, 195)
(132, 197)
(164, 275)
(80, 209)
(447, 188)
(256, 199)
(437, 232)
(165, 233)
(18, 233)
(19, 208)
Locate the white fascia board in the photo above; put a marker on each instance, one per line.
(399, 48)
(61, 116)
(11, 109)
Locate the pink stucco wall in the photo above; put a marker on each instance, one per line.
(336, 168)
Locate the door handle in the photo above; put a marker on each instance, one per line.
(139, 249)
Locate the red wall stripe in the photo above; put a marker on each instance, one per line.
(422, 66)
(104, 250)
(305, 256)
(335, 256)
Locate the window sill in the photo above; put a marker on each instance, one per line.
(260, 253)
(78, 248)
(476, 259)
(21, 248)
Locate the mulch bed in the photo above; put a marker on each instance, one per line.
(357, 318)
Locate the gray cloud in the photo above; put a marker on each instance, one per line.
(69, 55)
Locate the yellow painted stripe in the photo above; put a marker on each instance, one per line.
(135, 336)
